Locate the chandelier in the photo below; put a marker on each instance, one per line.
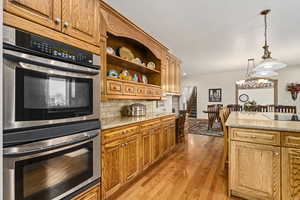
(268, 65)
(254, 79)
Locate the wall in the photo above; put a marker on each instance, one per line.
(262, 96)
(226, 81)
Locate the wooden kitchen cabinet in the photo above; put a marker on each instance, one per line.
(255, 170)
(172, 75)
(129, 150)
(81, 19)
(91, 194)
(290, 173)
(155, 147)
(77, 18)
(112, 166)
(46, 12)
(131, 157)
(146, 148)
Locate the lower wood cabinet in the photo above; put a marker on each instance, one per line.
(127, 151)
(255, 170)
(146, 148)
(91, 194)
(155, 139)
(264, 164)
(290, 173)
(112, 167)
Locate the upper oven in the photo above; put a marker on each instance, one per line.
(47, 82)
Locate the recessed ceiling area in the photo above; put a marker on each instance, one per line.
(215, 36)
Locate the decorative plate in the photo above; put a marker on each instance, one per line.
(113, 73)
(137, 61)
(110, 50)
(244, 98)
(125, 53)
(145, 79)
(151, 65)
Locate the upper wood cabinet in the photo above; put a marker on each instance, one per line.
(77, 18)
(46, 12)
(255, 170)
(81, 19)
(172, 75)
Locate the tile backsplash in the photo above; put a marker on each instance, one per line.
(112, 108)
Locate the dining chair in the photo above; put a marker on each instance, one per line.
(181, 126)
(271, 108)
(235, 107)
(286, 109)
(212, 112)
(224, 114)
(261, 108)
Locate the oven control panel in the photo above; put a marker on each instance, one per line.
(53, 48)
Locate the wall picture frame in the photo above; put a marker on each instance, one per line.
(215, 95)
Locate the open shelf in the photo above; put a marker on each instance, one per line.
(116, 60)
(132, 82)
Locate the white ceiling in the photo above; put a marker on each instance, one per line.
(218, 35)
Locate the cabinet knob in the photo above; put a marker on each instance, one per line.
(276, 154)
(66, 24)
(57, 21)
(253, 136)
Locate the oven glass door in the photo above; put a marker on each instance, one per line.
(47, 177)
(47, 96)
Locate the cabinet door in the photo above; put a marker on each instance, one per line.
(290, 173)
(92, 194)
(146, 148)
(131, 155)
(112, 167)
(172, 136)
(44, 12)
(255, 170)
(155, 143)
(81, 19)
(164, 139)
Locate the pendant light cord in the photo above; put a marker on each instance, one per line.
(266, 26)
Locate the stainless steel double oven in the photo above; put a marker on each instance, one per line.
(51, 118)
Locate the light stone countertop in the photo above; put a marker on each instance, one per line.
(113, 122)
(265, 121)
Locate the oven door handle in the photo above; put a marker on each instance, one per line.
(48, 145)
(16, 57)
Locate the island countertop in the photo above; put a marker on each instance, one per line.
(113, 122)
(255, 120)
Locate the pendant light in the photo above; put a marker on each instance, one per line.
(268, 63)
(265, 74)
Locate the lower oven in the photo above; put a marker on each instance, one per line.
(52, 169)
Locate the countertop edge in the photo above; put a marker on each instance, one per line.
(119, 124)
(263, 128)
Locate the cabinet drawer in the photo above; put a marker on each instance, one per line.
(157, 92)
(129, 89)
(109, 136)
(149, 92)
(114, 87)
(140, 91)
(151, 124)
(256, 136)
(131, 131)
(291, 139)
(92, 194)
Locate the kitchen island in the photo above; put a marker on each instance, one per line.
(264, 155)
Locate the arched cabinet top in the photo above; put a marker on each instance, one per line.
(120, 26)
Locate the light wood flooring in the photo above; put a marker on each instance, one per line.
(192, 172)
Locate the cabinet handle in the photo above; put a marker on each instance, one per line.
(57, 21)
(276, 154)
(66, 24)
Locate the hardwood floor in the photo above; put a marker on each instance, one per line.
(192, 172)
